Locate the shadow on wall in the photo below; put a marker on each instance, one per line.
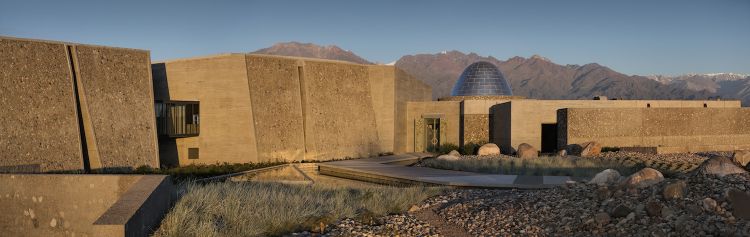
(499, 126)
(168, 156)
(26, 168)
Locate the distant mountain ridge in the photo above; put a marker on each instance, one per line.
(312, 51)
(539, 77)
(724, 85)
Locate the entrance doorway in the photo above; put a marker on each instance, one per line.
(432, 134)
(549, 137)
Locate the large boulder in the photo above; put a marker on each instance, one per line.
(591, 149)
(741, 157)
(454, 153)
(489, 149)
(527, 151)
(719, 166)
(643, 178)
(606, 177)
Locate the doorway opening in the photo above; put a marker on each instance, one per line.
(432, 134)
(549, 137)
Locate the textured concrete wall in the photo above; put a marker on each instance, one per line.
(668, 127)
(339, 117)
(407, 89)
(277, 107)
(39, 94)
(39, 125)
(382, 88)
(476, 128)
(450, 112)
(117, 97)
(527, 116)
(220, 83)
(82, 205)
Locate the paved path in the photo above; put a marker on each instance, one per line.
(392, 170)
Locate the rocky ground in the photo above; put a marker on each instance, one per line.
(588, 209)
(391, 225)
(669, 164)
(708, 205)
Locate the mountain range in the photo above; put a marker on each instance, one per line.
(538, 77)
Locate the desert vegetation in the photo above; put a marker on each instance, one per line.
(272, 209)
(550, 165)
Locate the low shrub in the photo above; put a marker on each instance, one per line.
(199, 171)
(447, 148)
(273, 209)
(553, 166)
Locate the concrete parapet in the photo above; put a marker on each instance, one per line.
(83, 205)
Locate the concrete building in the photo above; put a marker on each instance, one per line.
(81, 107)
(256, 108)
(506, 120)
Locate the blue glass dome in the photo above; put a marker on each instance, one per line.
(481, 78)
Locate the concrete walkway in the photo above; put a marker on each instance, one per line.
(393, 170)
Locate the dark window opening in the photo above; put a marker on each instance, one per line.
(705, 105)
(178, 118)
(648, 105)
(193, 153)
(549, 138)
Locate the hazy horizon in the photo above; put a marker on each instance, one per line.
(634, 37)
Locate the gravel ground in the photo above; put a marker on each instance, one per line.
(391, 225)
(581, 209)
(590, 210)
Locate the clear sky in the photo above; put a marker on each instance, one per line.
(633, 37)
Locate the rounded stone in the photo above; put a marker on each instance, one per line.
(489, 149)
(644, 178)
(527, 151)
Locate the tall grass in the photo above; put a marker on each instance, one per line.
(263, 209)
(554, 166)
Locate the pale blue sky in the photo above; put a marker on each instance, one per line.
(633, 37)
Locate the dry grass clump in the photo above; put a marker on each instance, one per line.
(551, 166)
(263, 209)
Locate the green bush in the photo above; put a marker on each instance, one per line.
(447, 148)
(199, 171)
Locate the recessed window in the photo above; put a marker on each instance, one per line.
(193, 153)
(648, 105)
(705, 105)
